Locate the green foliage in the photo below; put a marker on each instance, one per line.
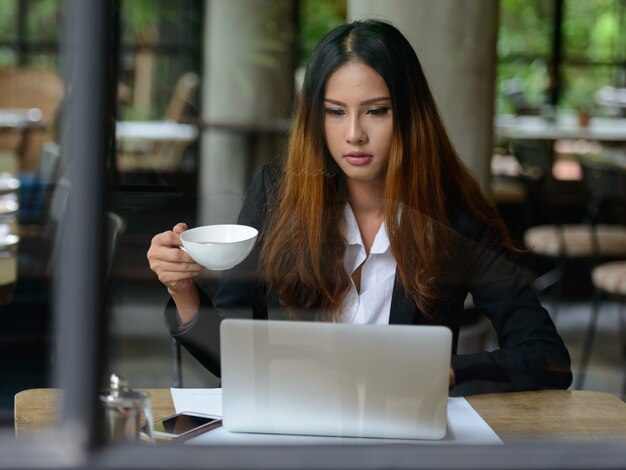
(43, 20)
(8, 24)
(7, 57)
(525, 27)
(43, 61)
(136, 15)
(582, 84)
(317, 17)
(267, 52)
(604, 37)
(533, 77)
(590, 29)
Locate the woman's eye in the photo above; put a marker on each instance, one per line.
(334, 111)
(378, 111)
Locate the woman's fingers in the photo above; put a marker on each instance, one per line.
(170, 272)
(173, 266)
(179, 228)
(172, 259)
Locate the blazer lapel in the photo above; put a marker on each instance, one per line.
(403, 309)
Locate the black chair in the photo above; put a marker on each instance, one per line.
(609, 280)
(176, 360)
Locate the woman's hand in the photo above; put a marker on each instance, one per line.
(176, 270)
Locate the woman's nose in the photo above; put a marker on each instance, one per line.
(356, 133)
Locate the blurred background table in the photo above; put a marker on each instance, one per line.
(19, 118)
(154, 145)
(133, 131)
(18, 124)
(563, 127)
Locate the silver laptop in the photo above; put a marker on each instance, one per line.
(330, 379)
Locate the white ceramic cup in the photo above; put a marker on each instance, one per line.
(219, 247)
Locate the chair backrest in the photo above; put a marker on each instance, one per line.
(606, 185)
(49, 163)
(535, 157)
(169, 154)
(514, 90)
(30, 88)
(181, 96)
(115, 227)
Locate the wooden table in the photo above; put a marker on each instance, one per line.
(36, 408)
(547, 414)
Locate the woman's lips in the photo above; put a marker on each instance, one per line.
(358, 158)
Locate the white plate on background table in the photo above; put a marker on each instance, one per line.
(8, 183)
(8, 207)
(7, 239)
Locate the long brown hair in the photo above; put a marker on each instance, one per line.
(302, 255)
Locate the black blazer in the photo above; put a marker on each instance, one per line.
(531, 354)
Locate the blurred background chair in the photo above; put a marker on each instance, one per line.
(609, 280)
(176, 364)
(30, 88)
(514, 91)
(37, 187)
(509, 193)
(115, 227)
(600, 236)
(182, 96)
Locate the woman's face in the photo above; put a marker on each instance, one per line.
(358, 122)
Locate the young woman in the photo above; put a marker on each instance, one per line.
(372, 219)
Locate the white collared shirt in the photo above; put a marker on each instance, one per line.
(373, 304)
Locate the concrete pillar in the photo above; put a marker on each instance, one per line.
(456, 44)
(247, 81)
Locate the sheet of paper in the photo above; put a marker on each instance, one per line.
(465, 426)
(207, 401)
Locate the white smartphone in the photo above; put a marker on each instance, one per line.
(183, 426)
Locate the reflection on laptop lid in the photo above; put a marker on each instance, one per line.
(331, 379)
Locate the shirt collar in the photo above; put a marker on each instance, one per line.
(352, 233)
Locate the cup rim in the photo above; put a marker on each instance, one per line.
(253, 232)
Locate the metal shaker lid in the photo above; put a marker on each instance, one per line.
(121, 395)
